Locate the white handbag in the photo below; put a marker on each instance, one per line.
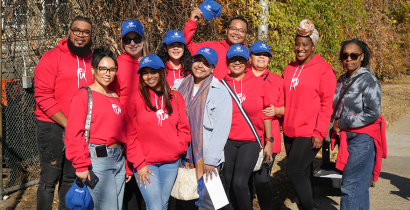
(185, 186)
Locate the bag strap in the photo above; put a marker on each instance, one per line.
(245, 115)
(341, 96)
(264, 79)
(89, 112)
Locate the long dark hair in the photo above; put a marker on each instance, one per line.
(363, 47)
(186, 58)
(144, 92)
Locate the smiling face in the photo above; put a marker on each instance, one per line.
(134, 49)
(237, 66)
(201, 68)
(151, 78)
(303, 49)
(104, 78)
(352, 66)
(234, 34)
(175, 50)
(259, 61)
(84, 35)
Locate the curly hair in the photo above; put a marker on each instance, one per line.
(186, 58)
(99, 54)
(363, 47)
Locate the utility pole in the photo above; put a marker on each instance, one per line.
(263, 27)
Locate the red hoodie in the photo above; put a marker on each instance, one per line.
(255, 97)
(377, 131)
(151, 140)
(57, 77)
(309, 100)
(274, 83)
(126, 79)
(220, 47)
(107, 126)
(173, 75)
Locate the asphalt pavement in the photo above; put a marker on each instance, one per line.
(392, 190)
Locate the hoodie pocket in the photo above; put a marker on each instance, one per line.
(295, 119)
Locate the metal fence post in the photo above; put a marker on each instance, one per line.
(1, 105)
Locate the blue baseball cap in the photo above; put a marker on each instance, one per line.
(152, 61)
(132, 25)
(173, 36)
(209, 53)
(210, 9)
(78, 198)
(237, 50)
(259, 47)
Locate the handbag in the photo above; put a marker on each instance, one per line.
(185, 185)
(333, 117)
(258, 165)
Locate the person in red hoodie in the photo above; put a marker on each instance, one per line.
(158, 132)
(57, 77)
(359, 122)
(259, 60)
(102, 151)
(242, 147)
(135, 46)
(309, 86)
(176, 56)
(236, 33)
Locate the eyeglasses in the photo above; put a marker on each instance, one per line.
(77, 32)
(240, 30)
(353, 56)
(136, 39)
(235, 59)
(104, 70)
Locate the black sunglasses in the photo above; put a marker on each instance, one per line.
(353, 56)
(136, 39)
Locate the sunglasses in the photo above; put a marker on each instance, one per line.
(353, 56)
(136, 39)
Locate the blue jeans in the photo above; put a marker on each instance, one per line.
(156, 196)
(109, 190)
(357, 173)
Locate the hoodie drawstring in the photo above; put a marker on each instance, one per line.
(295, 80)
(240, 96)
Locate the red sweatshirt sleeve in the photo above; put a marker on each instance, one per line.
(281, 96)
(184, 131)
(45, 75)
(266, 101)
(327, 88)
(133, 148)
(76, 147)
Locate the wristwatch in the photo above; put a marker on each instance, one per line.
(270, 139)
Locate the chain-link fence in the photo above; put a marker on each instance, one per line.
(29, 28)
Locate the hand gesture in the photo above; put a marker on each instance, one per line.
(196, 14)
(208, 169)
(142, 174)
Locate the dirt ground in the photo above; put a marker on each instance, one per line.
(395, 104)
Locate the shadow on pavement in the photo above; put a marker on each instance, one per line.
(402, 183)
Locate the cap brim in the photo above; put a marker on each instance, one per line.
(207, 57)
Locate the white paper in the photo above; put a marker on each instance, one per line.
(332, 176)
(216, 191)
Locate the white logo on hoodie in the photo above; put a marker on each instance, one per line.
(80, 72)
(241, 97)
(161, 116)
(116, 108)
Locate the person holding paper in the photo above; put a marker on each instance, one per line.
(243, 145)
(209, 109)
(236, 33)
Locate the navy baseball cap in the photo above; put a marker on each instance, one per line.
(209, 53)
(132, 25)
(259, 47)
(237, 50)
(210, 9)
(173, 36)
(152, 61)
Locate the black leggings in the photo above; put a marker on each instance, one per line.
(299, 167)
(240, 160)
(263, 186)
(132, 196)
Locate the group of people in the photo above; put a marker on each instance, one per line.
(211, 106)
